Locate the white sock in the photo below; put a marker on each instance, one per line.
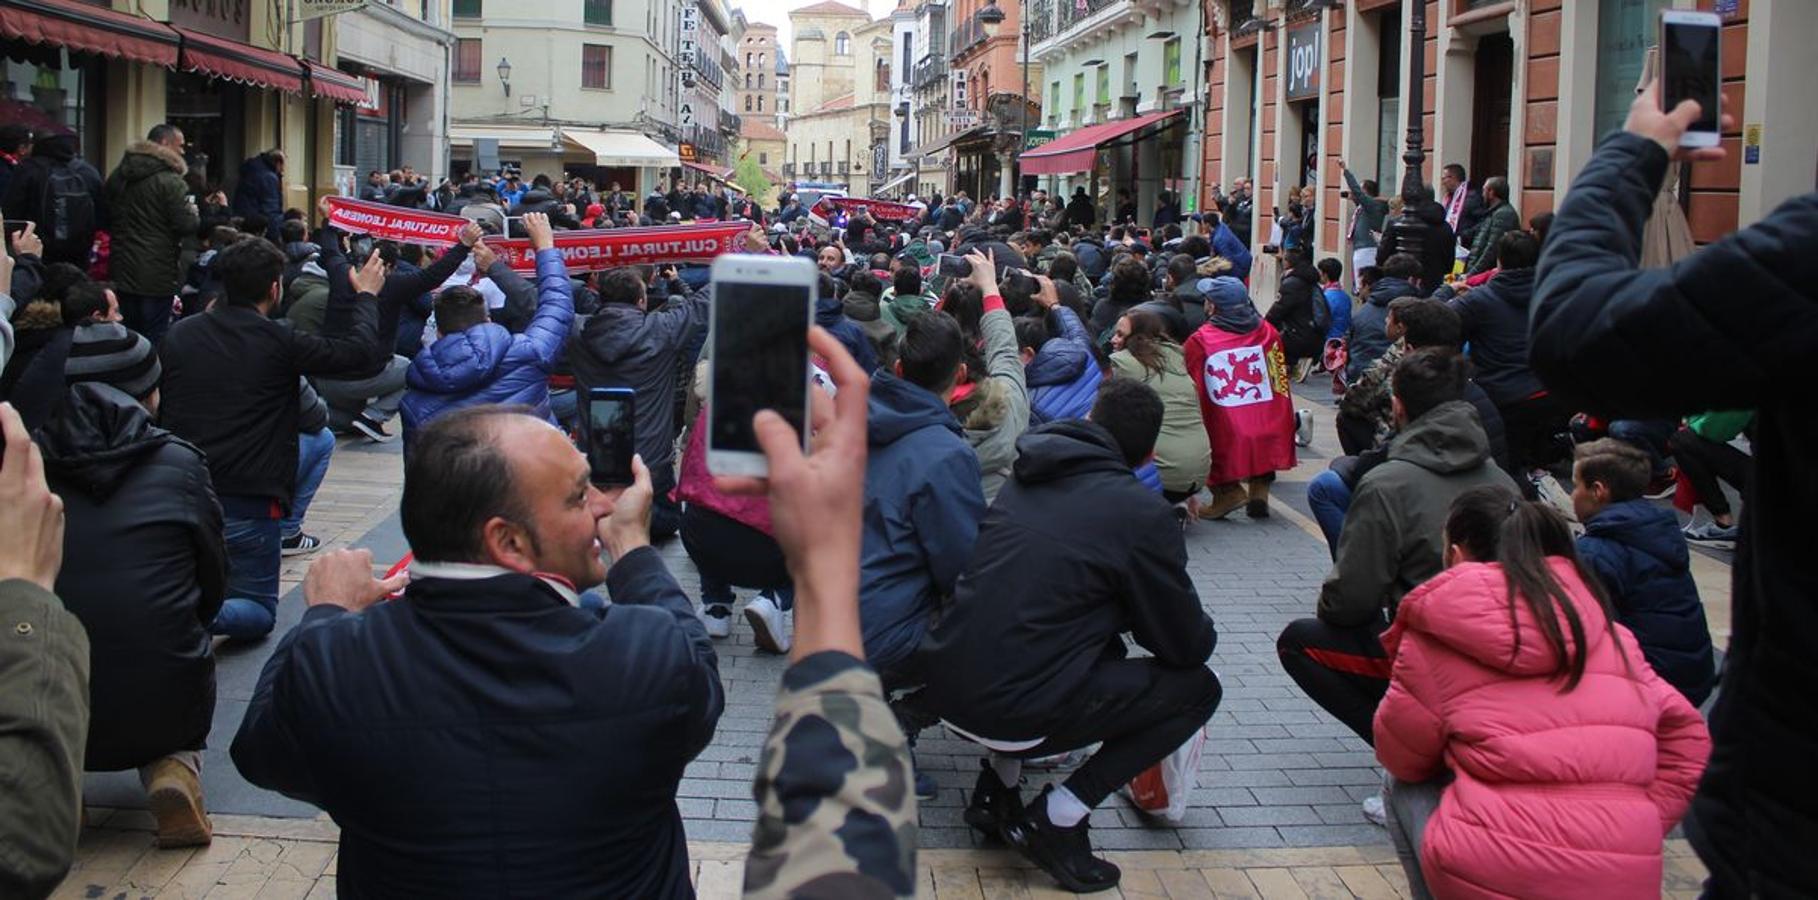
(1009, 769)
(1064, 809)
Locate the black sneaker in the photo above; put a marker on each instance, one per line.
(1065, 853)
(299, 544)
(993, 806)
(372, 428)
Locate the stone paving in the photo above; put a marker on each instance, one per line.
(1277, 777)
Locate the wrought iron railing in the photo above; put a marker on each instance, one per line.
(1073, 12)
(1041, 20)
(930, 71)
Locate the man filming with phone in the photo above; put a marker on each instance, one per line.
(475, 360)
(485, 735)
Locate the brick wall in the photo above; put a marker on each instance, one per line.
(1540, 127)
(1712, 212)
(1265, 179)
(1214, 145)
(1331, 143)
(1430, 93)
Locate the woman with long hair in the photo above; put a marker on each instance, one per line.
(1143, 350)
(1531, 751)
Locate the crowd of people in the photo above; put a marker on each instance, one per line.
(1020, 411)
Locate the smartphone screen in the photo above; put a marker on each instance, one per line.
(952, 265)
(1689, 69)
(760, 359)
(611, 434)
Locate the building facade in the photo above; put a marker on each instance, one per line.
(993, 96)
(589, 87)
(1120, 64)
(931, 84)
(840, 117)
(782, 88)
(231, 73)
(1520, 88)
(403, 60)
(757, 53)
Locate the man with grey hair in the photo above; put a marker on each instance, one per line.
(1499, 219)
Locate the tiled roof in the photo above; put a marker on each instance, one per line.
(844, 102)
(761, 131)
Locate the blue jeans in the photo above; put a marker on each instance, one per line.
(313, 452)
(1329, 498)
(253, 557)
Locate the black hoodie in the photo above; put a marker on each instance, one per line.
(139, 512)
(1074, 552)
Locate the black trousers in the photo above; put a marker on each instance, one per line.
(148, 315)
(665, 513)
(728, 553)
(1344, 670)
(1355, 433)
(1704, 461)
(1530, 426)
(1141, 710)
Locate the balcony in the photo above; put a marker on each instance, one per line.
(1041, 20)
(929, 72)
(966, 35)
(1071, 18)
(845, 167)
(1072, 13)
(730, 122)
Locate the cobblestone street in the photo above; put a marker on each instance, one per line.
(1276, 812)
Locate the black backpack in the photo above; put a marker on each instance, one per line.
(69, 211)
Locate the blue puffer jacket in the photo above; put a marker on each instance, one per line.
(1062, 379)
(1369, 338)
(1227, 244)
(1640, 555)
(923, 505)
(488, 364)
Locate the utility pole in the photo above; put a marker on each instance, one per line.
(1411, 232)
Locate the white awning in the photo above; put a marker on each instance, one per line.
(894, 182)
(622, 148)
(510, 137)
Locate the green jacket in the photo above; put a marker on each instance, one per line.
(1394, 536)
(1183, 454)
(817, 838)
(150, 216)
(1721, 426)
(899, 310)
(1495, 224)
(43, 733)
(306, 302)
(1371, 211)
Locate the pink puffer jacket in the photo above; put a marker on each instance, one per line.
(696, 484)
(1556, 794)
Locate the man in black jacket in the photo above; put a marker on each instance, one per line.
(363, 400)
(626, 345)
(1729, 327)
(1495, 320)
(1028, 659)
(230, 388)
(62, 193)
(520, 744)
(1438, 243)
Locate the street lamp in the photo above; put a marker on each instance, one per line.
(505, 74)
(1410, 230)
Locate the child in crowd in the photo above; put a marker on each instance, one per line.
(1640, 557)
(1331, 276)
(1531, 750)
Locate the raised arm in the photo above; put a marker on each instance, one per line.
(548, 331)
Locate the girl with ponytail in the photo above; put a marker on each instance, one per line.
(1531, 751)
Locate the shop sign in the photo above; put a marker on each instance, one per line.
(318, 9)
(222, 18)
(1038, 137)
(1303, 62)
(880, 159)
(964, 118)
(1751, 145)
(686, 152)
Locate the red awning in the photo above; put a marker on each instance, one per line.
(234, 61)
(91, 29)
(709, 171)
(334, 84)
(1075, 152)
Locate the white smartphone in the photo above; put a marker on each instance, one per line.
(758, 341)
(1691, 69)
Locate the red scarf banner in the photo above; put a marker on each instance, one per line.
(583, 251)
(882, 210)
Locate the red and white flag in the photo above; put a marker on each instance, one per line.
(882, 210)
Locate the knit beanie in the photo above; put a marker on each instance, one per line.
(111, 353)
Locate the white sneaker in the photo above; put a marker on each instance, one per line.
(718, 619)
(1372, 810)
(773, 629)
(1303, 427)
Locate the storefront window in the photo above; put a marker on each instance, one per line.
(212, 114)
(51, 93)
(1625, 30)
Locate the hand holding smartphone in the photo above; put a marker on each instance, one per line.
(1691, 69)
(758, 335)
(609, 437)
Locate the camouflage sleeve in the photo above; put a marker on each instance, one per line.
(836, 814)
(1369, 397)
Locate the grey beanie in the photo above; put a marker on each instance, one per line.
(111, 353)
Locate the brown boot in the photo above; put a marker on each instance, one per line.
(175, 797)
(1258, 507)
(1226, 498)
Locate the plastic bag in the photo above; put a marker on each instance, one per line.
(1162, 790)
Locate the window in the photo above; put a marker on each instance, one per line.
(760, 81)
(1054, 99)
(882, 84)
(596, 12)
(596, 66)
(466, 62)
(747, 102)
(1104, 83)
(1625, 28)
(1079, 91)
(747, 58)
(760, 102)
(747, 81)
(1171, 63)
(467, 9)
(760, 60)
(842, 45)
(763, 158)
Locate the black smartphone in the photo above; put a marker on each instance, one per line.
(1691, 69)
(610, 435)
(762, 308)
(953, 265)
